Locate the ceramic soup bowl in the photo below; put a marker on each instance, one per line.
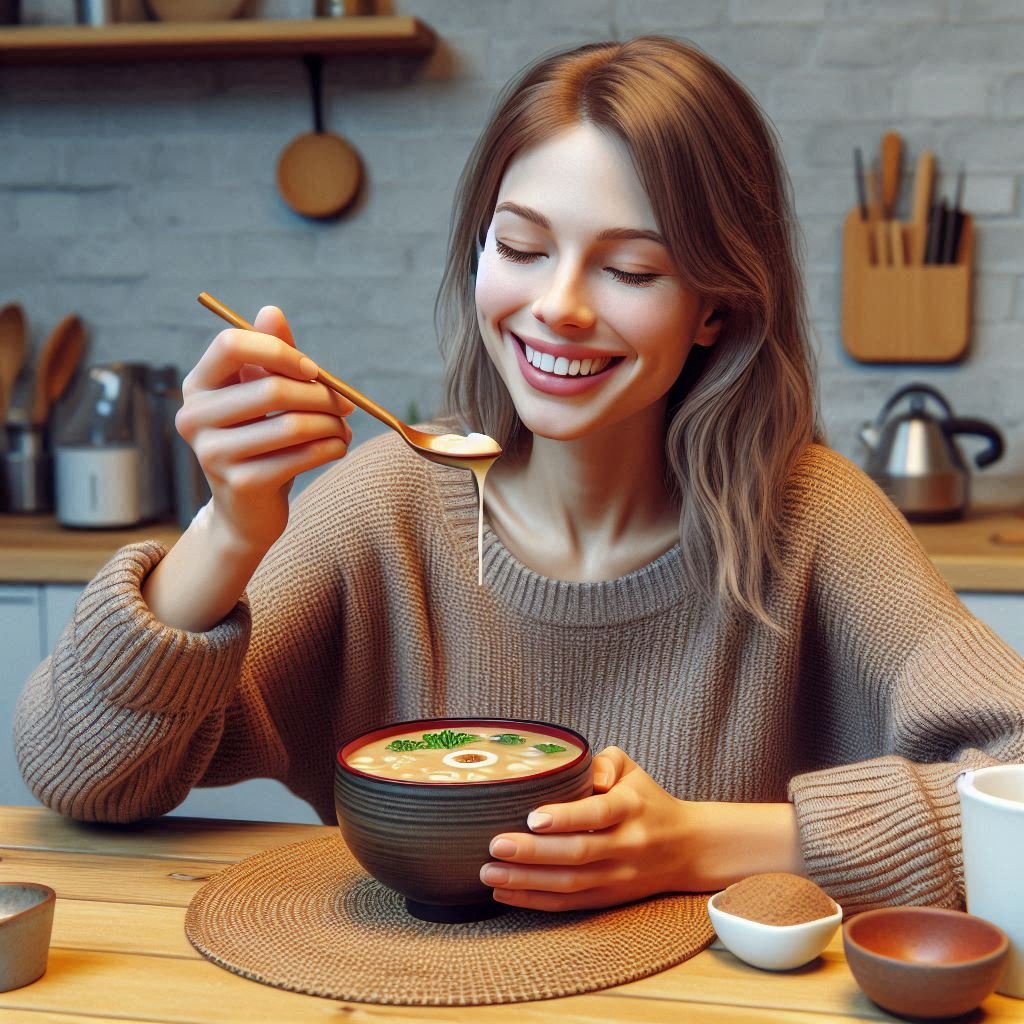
(458, 783)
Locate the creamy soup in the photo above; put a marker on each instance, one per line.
(473, 754)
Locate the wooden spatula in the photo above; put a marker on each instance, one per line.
(13, 344)
(891, 168)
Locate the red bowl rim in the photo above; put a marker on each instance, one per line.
(1000, 948)
(556, 731)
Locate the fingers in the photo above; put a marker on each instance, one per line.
(233, 349)
(609, 766)
(254, 399)
(274, 471)
(270, 320)
(266, 436)
(590, 814)
(557, 879)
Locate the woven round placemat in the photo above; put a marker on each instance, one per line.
(308, 918)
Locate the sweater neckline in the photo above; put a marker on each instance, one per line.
(646, 591)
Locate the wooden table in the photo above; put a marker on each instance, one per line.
(119, 950)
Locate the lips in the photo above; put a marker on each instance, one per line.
(556, 384)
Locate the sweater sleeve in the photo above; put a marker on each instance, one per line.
(124, 716)
(905, 673)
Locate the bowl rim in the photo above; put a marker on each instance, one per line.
(557, 731)
(833, 918)
(47, 895)
(941, 913)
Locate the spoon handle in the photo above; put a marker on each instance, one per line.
(323, 377)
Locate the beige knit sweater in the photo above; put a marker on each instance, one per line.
(879, 689)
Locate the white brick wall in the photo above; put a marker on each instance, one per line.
(127, 189)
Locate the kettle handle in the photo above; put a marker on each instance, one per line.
(963, 425)
(911, 389)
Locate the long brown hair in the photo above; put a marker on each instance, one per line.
(743, 410)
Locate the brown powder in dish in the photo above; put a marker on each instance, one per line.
(776, 897)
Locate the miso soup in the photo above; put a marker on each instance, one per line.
(472, 754)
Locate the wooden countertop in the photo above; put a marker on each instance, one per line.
(119, 950)
(983, 551)
(34, 549)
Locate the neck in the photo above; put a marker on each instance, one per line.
(592, 508)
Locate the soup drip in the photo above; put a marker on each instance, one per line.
(485, 450)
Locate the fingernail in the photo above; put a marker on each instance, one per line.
(539, 820)
(601, 779)
(494, 875)
(308, 368)
(504, 848)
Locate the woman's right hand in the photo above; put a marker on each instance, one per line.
(256, 418)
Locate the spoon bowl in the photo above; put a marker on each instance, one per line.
(434, 447)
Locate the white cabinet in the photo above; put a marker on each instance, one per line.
(21, 613)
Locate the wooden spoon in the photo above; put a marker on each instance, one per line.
(891, 168)
(12, 351)
(58, 360)
(318, 174)
(430, 446)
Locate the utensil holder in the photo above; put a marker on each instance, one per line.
(27, 472)
(915, 313)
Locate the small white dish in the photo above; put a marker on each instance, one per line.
(773, 947)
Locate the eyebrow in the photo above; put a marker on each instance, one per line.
(609, 234)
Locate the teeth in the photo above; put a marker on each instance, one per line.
(563, 367)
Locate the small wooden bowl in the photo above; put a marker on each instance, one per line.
(925, 961)
(429, 840)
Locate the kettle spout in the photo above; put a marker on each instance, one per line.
(869, 436)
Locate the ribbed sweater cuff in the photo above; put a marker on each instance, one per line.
(143, 664)
(880, 832)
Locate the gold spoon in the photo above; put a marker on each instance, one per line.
(430, 446)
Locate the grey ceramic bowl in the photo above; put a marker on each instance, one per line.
(26, 920)
(428, 840)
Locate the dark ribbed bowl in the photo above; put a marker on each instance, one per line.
(428, 841)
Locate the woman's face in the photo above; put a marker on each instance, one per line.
(580, 306)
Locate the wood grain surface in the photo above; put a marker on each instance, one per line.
(119, 951)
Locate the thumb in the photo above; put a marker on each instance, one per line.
(270, 320)
(609, 766)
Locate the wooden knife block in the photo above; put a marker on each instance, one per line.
(904, 314)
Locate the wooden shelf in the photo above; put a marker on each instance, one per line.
(148, 41)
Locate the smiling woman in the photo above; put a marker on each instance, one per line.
(671, 565)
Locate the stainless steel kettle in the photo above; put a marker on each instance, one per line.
(915, 459)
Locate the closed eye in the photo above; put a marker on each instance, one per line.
(506, 252)
(637, 280)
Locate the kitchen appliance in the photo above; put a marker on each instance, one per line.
(112, 447)
(913, 456)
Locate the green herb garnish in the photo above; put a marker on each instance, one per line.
(548, 748)
(405, 745)
(446, 739)
(508, 738)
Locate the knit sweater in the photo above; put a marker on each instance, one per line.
(877, 690)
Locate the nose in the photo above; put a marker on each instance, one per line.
(564, 302)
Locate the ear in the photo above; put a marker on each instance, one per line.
(711, 325)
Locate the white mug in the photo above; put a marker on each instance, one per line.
(992, 820)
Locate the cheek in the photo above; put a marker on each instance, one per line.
(498, 292)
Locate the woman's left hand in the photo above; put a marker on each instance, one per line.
(627, 841)
(633, 839)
